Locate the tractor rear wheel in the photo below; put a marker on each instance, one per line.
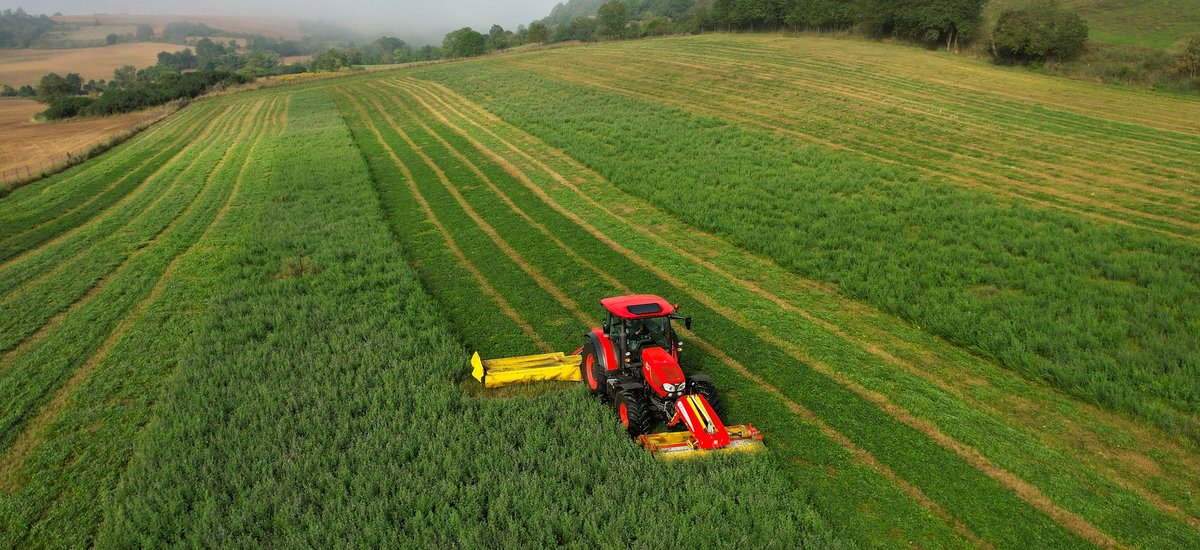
(633, 411)
(592, 372)
(708, 390)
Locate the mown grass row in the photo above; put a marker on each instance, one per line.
(1038, 162)
(55, 495)
(52, 244)
(32, 217)
(1099, 311)
(855, 417)
(320, 407)
(964, 77)
(1022, 118)
(39, 368)
(58, 286)
(827, 126)
(1120, 512)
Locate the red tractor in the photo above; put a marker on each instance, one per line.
(632, 362)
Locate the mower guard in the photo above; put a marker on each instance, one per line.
(494, 373)
(683, 445)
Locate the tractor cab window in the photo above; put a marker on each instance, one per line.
(649, 332)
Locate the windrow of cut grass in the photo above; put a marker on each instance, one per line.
(319, 406)
(102, 182)
(1098, 310)
(1131, 175)
(1124, 505)
(58, 285)
(62, 241)
(756, 354)
(47, 359)
(824, 471)
(53, 488)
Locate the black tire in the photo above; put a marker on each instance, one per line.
(708, 390)
(592, 373)
(633, 411)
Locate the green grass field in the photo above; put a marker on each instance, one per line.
(961, 302)
(1163, 24)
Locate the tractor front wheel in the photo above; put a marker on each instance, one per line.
(592, 372)
(633, 411)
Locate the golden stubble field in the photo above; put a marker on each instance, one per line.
(27, 66)
(26, 143)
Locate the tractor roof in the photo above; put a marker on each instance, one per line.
(637, 306)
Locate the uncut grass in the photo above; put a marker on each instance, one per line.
(1099, 311)
(481, 327)
(37, 252)
(324, 410)
(746, 347)
(41, 369)
(102, 181)
(29, 310)
(60, 493)
(818, 126)
(1112, 508)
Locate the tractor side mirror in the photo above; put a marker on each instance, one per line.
(687, 322)
(606, 328)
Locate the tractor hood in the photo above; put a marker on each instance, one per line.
(659, 368)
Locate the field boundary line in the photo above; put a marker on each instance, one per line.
(862, 455)
(8, 357)
(1021, 488)
(949, 178)
(505, 306)
(32, 434)
(114, 207)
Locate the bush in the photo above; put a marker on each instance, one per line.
(1187, 64)
(67, 107)
(1043, 31)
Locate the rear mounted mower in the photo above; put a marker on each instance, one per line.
(632, 362)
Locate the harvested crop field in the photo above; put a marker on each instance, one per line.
(28, 66)
(957, 326)
(28, 144)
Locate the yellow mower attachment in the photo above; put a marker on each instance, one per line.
(683, 445)
(494, 373)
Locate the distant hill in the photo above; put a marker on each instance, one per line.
(1155, 23)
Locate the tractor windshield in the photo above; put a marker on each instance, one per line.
(651, 331)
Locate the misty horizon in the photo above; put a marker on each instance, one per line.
(406, 19)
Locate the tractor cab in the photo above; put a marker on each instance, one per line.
(637, 323)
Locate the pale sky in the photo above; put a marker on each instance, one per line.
(373, 16)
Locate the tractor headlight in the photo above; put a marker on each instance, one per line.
(673, 388)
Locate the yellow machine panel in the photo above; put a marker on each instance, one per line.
(494, 373)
